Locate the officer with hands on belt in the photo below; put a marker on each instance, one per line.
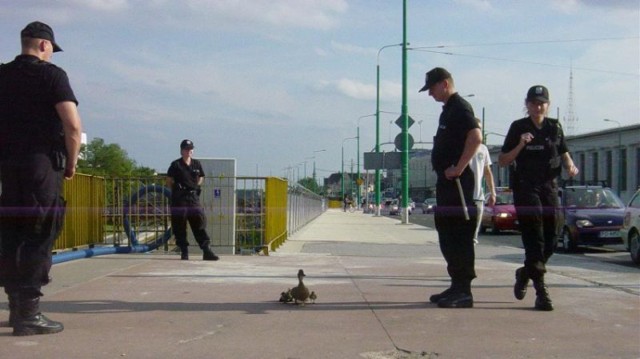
(184, 177)
(456, 142)
(40, 135)
(536, 146)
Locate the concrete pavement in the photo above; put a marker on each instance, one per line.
(373, 277)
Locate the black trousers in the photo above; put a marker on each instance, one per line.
(31, 218)
(539, 217)
(189, 211)
(455, 233)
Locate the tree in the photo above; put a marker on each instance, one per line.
(310, 184)
(100, 159)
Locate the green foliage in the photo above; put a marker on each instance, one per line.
(101, 159)
(310, 184)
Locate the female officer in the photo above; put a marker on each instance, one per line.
(536, 146)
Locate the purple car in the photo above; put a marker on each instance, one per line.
(593, 215)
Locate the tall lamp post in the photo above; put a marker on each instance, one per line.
(619, 154)
(358, 153)
(342, 165)
(314, 164)
(377, 184)
(405, 122)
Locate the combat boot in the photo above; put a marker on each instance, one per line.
(13, 310)
(30, 321)
(208, 255)
(14, 303)
(184, 253)
(522, 281)
(543, 301)
(459, 297)
(435, 298)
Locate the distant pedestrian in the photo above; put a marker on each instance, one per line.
(184, 177)
(454, 145)
(536, 145)
(40, 132)
(481, 166)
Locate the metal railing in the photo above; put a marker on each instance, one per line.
(131, 211)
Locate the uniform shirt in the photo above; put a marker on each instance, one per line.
(29, 90)
(185, 177)
(478, 162)
(539, 161)
(456, 120)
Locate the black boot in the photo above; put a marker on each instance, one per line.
(437, 297)
(30, 321)
(184, 253)
(522, 281)
(14, 304)
(208, 255)
(459, 297)
(13, 310)
(543, 301)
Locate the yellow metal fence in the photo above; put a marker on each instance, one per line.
(128, 211)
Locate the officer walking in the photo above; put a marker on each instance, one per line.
(184, 177)
(456, 142)
(40, 134)
(536, 145)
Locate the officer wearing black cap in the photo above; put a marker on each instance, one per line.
(40, 131)
(455, 144)
(536, 148)
(184, 177)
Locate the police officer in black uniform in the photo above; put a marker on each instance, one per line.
(456, 142)
(40, 134)
(536, 148)
(184, 177)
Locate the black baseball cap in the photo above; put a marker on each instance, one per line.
(186, 144)
(434, 76)
(40, 30)
(538, 93)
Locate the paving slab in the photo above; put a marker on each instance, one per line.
(372, 275)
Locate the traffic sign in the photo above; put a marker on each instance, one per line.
(398, 141)
(399, 122)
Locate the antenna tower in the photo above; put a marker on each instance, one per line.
(570, 120)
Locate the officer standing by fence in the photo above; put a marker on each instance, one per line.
(40, 134)
(184, 177)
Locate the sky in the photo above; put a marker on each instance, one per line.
(281, 85)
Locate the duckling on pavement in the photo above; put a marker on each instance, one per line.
(301, 292)
(313, 297)
(285, 297)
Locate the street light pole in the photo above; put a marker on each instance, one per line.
(358, 155)
(619, 154)
(377, 184)
(314, 164)
(342, 165)
(405, 121)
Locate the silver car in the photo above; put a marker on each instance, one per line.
(631, 227)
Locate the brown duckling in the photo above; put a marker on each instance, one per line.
(285, 297)
(313, 297)
(301, 292)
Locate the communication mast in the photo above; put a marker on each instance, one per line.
(570, 120)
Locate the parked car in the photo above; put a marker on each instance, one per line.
(630, 230)
(429, 205)
(592, 216)
(501, 216)
(394, 207)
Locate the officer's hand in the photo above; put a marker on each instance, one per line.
(69, 169)
(451, 173)
(69, 172)
(526, 137)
